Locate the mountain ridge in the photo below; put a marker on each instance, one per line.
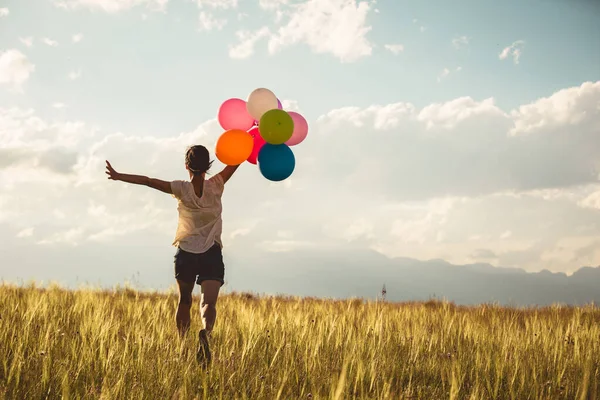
(362, 273)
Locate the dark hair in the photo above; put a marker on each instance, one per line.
(197, 159)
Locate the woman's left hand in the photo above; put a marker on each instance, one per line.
(110, 171)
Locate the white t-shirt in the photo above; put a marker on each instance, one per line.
(200, 224)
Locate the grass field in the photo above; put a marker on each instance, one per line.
(123, 344)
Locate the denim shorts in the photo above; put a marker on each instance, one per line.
(192, 267)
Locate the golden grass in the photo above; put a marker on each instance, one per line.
(123, 344)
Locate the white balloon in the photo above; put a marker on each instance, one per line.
(260, 101)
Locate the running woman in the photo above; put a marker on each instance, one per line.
(198, 258)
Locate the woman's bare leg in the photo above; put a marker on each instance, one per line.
(208, 312)
(182, 317)
(208, 304)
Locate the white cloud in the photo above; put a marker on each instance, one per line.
(359, 229)
(217, 4)
(419, 223)
(422, 29)
(572, 106)
(111, 6)
(394, 48)
(15, 68)
(59, 214)
(460, 41)
(445, 72)
(465, 147)
(283, 246)
(76, 38)
(337, 27)
(59, 106)
(247, 41)
(483, 254)
(450, 114)
(31, 143)
(70, 237)
(592, 201)
(272, 4)
(515, 50)
(27, 232)
(74, 75)
(384, 117)
(49, 42)
(208, 21)
(290, 105)
(471, 232)
(4, 12)
(430, 179)
(67, 166)
(240, 232)
(27, 41)
(285, 234)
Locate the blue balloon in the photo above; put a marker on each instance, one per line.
(276, 161)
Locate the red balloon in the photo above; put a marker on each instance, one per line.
(259, 142)
(234, 115)
(254, 131)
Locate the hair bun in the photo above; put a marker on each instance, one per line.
(197, 159)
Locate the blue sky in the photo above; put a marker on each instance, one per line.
(456, 114)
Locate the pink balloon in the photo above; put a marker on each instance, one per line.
(300, 129)
(259, 142)
(234, 115)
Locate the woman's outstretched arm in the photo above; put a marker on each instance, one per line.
(157, 184)
(228, 171)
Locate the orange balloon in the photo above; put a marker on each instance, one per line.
(234, 147)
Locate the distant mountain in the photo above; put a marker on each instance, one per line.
(335, 273)
(363, 273)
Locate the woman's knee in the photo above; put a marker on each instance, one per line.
(208, 305)
(185, 300)
(185, 293)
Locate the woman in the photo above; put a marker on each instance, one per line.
(198, 258)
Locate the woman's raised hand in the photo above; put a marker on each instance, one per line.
(110, 171)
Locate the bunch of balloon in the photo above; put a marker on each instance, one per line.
(261, 132)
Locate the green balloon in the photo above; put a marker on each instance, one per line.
(276, 126)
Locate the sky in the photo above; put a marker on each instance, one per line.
(465, 130)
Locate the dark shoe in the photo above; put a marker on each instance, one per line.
(203, 355)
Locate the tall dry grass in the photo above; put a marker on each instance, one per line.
(123, 344)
